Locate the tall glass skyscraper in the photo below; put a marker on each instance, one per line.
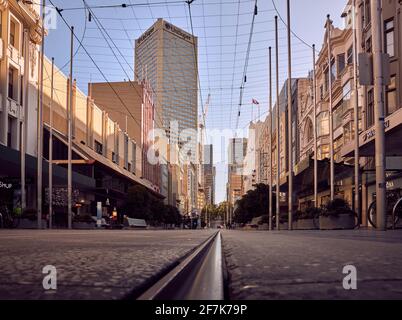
(167, 56)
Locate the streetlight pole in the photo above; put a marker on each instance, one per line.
(39, 134)
(69, 116)
(270, 140)
(331, 124)
(315, 130)
(24, 123)
(51, 148)
(278, 154)
(379, 116)
(290, 123)
(356, 115)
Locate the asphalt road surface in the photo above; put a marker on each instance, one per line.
(309, 265)
(104, 264)
(90, 264)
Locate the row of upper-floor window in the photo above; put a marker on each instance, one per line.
(128, 165)
(339, 63)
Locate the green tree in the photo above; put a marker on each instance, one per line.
(253, 204)
(139, 203)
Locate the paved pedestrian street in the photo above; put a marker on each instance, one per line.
(259, 264)
(309, 264)
(90, 264)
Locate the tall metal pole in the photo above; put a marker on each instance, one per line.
(278, 153)
(270, 140)
(290, 123)
(315, 130)
(376, 21)
(69, 115)
(331, 128)
(40, 124)
(356, 115)
(24, 123)
(51, 148)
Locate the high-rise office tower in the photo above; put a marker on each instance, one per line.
(208, 178)
(167, 56)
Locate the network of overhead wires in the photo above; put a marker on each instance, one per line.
(232, 51)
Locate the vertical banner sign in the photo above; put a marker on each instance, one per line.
(99, 214)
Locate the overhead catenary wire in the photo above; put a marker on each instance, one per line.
(100, 71)
(244, 78)
(104, 32)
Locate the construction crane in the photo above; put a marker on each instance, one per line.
(201, 145)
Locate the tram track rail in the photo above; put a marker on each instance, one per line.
(197, 276)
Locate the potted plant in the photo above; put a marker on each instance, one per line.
(29, 219)
(308, 220)
(337, 215)
(83, 221)
(284, 222)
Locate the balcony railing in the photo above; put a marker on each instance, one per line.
(14, 108)
(15, 56)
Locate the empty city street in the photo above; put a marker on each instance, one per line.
(257, 264)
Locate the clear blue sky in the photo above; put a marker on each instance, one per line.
(221, 52)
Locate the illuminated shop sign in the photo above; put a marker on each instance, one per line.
(4, 185)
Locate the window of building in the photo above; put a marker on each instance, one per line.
(341, 63)
(389, 37)
(98, 147)
(333, 70)
(391, 103)
(348, 132)
(134, 157)
(368, 45)
(126, 152)
(11, 87)
(12, 33)
(338, 115)
(370, 108)
(338, 143)
(323, 124)
(366, 13)
(9, 132)
(350, 55)
(326, 79)
(323, 152)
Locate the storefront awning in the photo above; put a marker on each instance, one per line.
(10, 160)
(91, 154)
